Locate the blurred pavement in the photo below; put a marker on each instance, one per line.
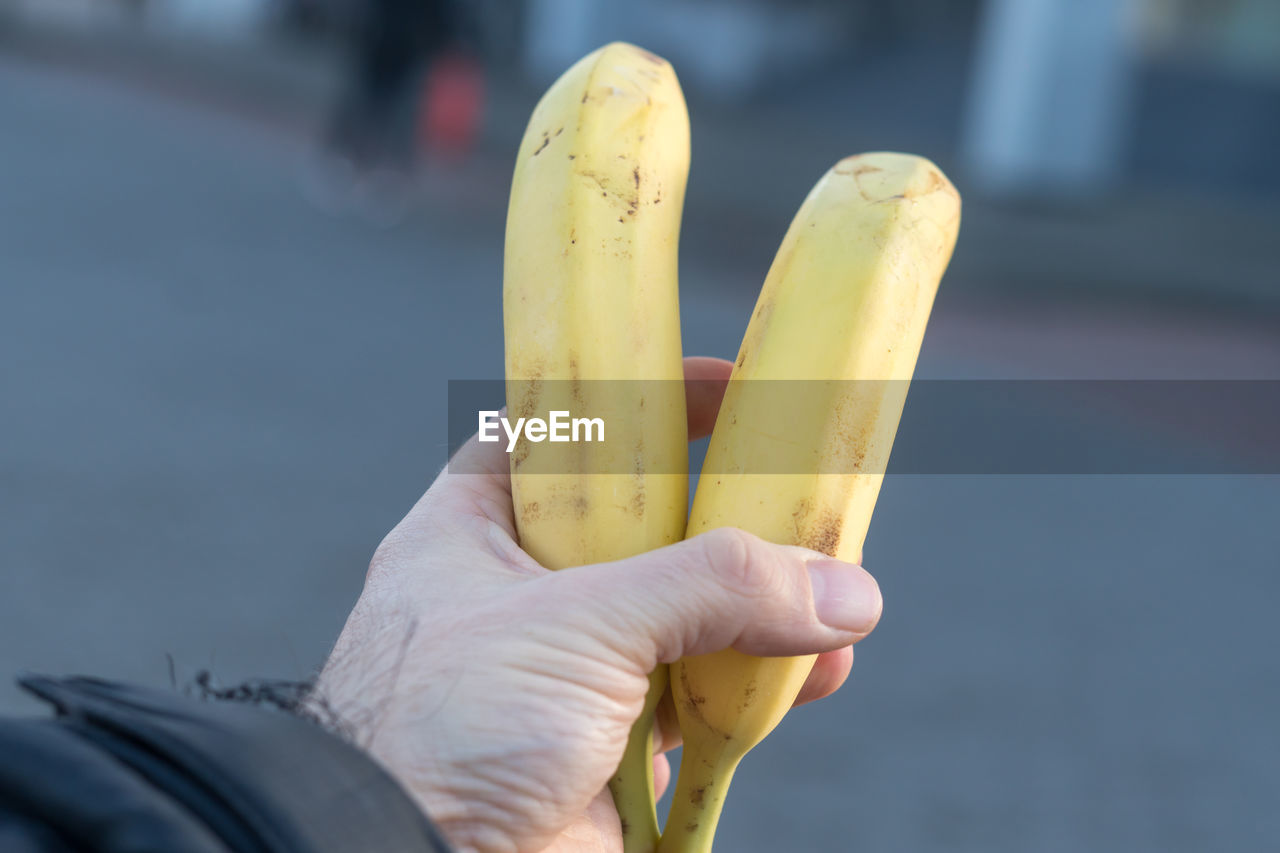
(217, 399)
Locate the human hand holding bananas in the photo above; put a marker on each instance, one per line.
(501, 694)
(505, 696)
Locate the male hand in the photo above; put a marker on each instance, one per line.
(500, 694)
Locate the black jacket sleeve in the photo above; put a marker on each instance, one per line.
(123, 768)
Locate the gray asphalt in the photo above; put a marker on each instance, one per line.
(218, 397)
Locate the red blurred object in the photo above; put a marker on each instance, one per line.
(452, 103)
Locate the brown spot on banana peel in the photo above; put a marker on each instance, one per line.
(932, 182)
(520, 454)
(528, 399)
(857, 177)
(820, 534)
(824, 534)
(693, 702)
(854, 165)
(757, 328)
(626, 194)
(799, 514)
(935, 183)
(697, 795)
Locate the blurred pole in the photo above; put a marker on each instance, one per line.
(1047, 111)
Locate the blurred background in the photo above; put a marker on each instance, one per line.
(244, 244)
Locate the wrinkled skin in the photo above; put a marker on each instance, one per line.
(500, 694)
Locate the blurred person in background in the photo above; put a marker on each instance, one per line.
(374, 135)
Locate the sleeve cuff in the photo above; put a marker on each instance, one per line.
(260, 780)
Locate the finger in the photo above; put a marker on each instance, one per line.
(829, 672)
(467, 509)
(476, 482)
(598, 828)
(666, 725)
(469, 501)
(725, 588)
(705, 380)
(661, 775)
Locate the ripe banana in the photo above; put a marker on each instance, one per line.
(843, 307)
(592, 327)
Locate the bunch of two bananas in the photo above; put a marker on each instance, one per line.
(590, 301)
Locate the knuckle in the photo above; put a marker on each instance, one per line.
(740, 561)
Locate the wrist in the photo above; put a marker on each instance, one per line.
(357, 706)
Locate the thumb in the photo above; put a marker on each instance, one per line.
(720, 589)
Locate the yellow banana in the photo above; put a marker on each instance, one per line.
(592, 327)
(846, 300)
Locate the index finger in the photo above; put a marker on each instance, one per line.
(705, 379)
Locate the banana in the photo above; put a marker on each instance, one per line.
(592, 326)
(847, 298)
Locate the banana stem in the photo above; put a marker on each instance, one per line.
(695, 808)
(632, 785)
